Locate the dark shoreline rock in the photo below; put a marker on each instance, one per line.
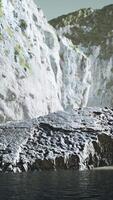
(77, 139)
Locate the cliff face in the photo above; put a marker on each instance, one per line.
(43, 71)
(39, 72)
(27, 47)
(76, 75)
(80, 139)
(91, 31)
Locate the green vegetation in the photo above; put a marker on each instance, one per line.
(6, 52)
(19, 55)
(1, 8)
(9, 31)
(89, 28)
(23, 62)
(18, 49)
(1, 37)
(109, 84)
(23, 25)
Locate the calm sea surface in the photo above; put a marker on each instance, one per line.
(60, 185)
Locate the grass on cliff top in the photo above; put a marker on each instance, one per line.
(1, 8)
(89, 28)
(19, 53)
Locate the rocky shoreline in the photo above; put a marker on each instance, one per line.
(77, 139)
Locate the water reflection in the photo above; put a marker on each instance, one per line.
(60, 185)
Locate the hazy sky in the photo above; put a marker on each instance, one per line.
(54, 8)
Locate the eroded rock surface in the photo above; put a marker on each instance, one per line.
(79, 139)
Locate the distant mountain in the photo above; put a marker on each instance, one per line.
(92, 32)
(86, 26)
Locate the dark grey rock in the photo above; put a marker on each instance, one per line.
(76, 139)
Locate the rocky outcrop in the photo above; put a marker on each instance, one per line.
(91, 31)
(79, 139)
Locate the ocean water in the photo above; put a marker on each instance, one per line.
(57, 185)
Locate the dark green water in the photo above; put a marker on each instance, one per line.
(60, 185)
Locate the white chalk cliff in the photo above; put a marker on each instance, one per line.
(91, 31)
(43, 70)
(39, 71)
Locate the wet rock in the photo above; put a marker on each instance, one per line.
(45, 164)
(106, 147)
(60, 163)
(103, 151)
(73, 162)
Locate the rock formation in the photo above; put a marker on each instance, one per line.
(91, 31)
(79, 139)
(38, 70)
(44, 71)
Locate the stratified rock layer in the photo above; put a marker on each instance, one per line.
(79, 139)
